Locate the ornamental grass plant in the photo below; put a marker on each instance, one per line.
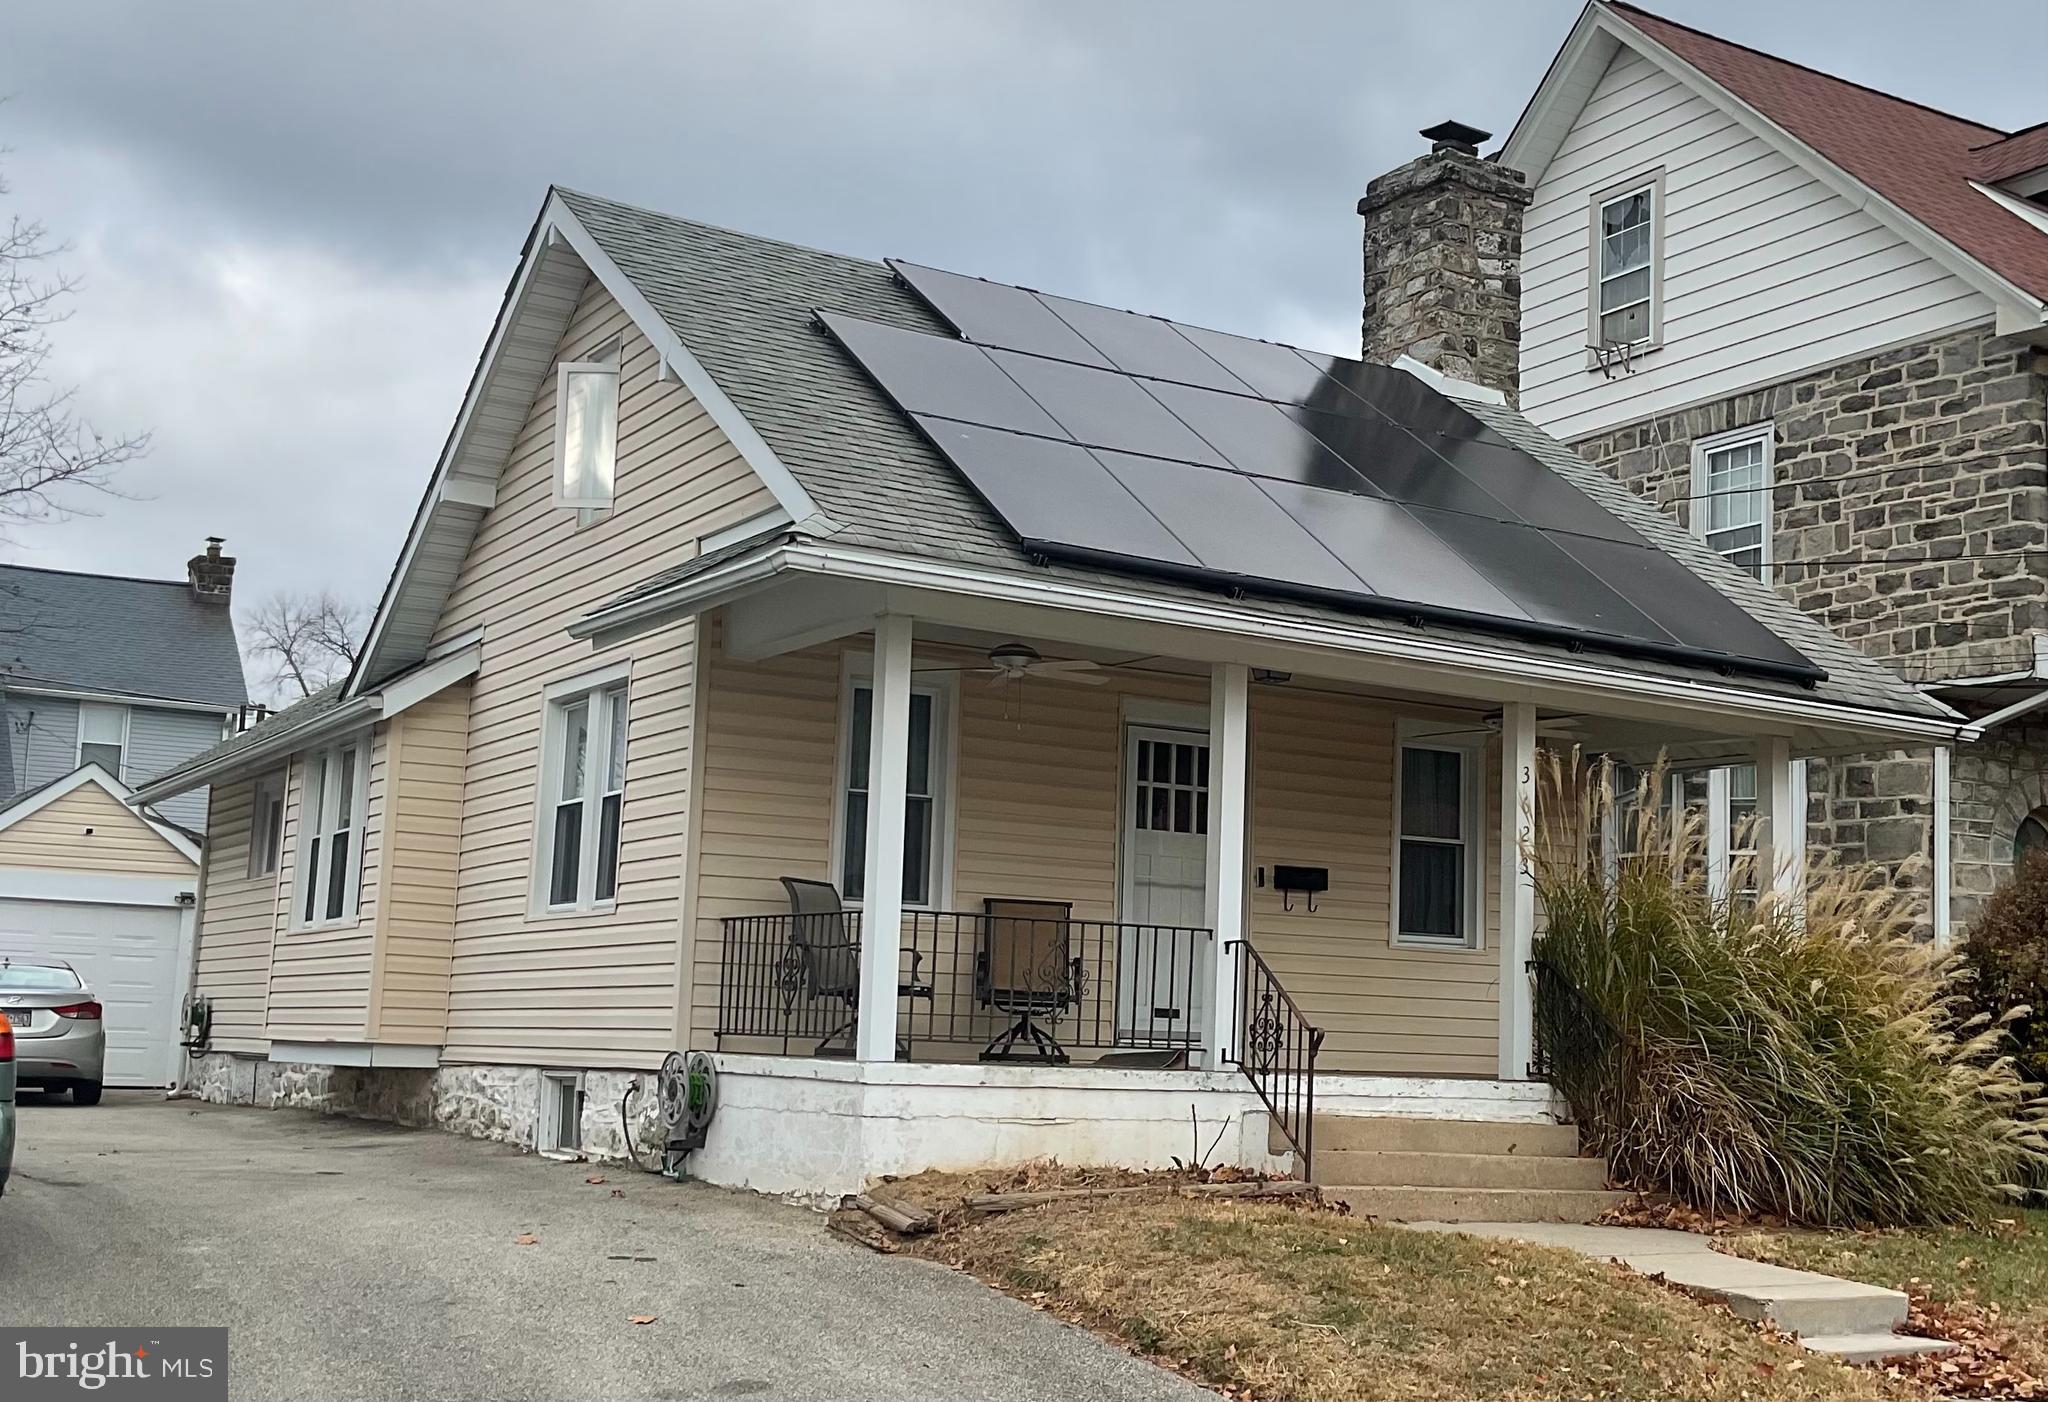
(1803, 1059)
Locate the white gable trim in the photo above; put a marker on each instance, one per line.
(1589, 49)
(78, 778)
(536, 308)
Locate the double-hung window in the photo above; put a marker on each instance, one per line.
(102, 735)
(1732, 496)
(924, 805)
(1627, 285)
(587, 430)
(1437, 843)
(331, 847)
(266, 825)
(582, 794)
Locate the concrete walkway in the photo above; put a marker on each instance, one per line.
(1850, 1320)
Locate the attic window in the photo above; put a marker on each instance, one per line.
(587, 436)
(1626, 305)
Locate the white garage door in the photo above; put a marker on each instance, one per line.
(128, 957)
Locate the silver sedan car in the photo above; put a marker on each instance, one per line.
(60, 1041)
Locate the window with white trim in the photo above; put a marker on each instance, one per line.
(266, 825)
(1437, 847)
(102, 735)
(331, 833)
(924, 804)
(587, 430)
(582, 795)
(1625, 307)
(1732, 496)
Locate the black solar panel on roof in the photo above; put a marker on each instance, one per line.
(1110, 436)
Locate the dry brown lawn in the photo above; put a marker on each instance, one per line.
(1273, 1301)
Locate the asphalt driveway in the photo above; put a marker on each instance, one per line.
(353, 1260)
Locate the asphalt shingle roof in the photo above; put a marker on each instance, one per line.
(131, 637)
(743, 305)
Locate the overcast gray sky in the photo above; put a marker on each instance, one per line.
(294, 222)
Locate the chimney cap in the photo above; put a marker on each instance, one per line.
(1455, 136)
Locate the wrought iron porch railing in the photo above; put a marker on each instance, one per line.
(1275, 1045)
(989, 985)
(1575, 1043)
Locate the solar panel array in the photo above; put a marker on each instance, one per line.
(1137, 442)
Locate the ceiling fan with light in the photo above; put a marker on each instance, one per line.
(1012, 662)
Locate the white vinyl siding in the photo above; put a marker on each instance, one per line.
(158, 740)
(1766, 273)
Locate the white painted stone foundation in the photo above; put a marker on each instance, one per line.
(815, 1129)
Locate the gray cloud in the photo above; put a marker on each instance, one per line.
(294, 222)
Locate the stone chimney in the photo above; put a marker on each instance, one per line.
(1443, 262)
(212, 574)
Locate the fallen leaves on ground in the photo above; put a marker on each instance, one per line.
(1982, 1364)
(642, 1318)
(595, 1178)
(526, 1239)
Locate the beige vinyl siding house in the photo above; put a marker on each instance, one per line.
(547, 915)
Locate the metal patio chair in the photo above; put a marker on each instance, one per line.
(1026, 970)
(822, 935)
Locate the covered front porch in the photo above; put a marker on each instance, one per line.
(1286, 856)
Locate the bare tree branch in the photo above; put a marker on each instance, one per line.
(48, 455)
(302, 642)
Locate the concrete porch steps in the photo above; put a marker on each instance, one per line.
(1410, 1169)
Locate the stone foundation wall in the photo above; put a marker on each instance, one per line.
(483, 1102)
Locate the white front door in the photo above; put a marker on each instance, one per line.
(1165, 878)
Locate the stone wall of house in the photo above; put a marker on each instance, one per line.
(1904, 484)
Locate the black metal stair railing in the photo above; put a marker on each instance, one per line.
(1275, 1045)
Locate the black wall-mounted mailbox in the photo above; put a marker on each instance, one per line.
(1300, 881)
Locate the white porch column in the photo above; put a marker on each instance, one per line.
(1517, 888)
(1229, 780)
(1940, 914)
(881, 953)
(1781, 822)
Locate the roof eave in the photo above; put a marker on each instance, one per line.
(349, 715)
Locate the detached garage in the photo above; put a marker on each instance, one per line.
(88, 878)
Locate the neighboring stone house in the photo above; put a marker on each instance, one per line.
(1807, 319)
(136, 675)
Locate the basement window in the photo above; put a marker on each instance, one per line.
(587, 430)
(560, 1132)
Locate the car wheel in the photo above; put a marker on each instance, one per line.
(85, 1093)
